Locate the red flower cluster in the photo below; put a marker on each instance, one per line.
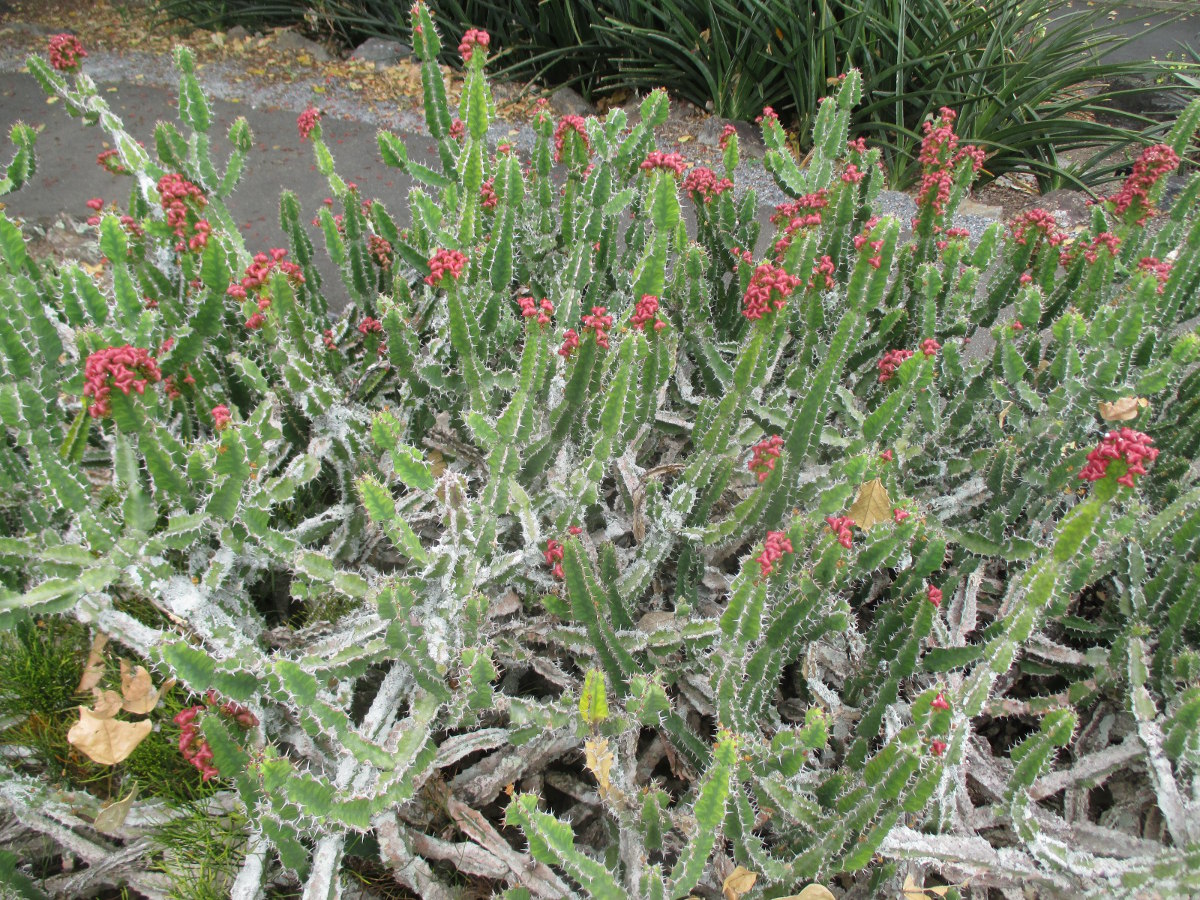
(65, 52)
(182, 201)
(766, 452)
(1131, 446)
(886, 456)
(774, 547)
(1042, 223)
(256, 277)
(443, 263)
(307, 121)
(668, 162)
(458, 130)
(553, 555)
(930, 347)
(702, 185)
(948, 235)
(1160, 269)
(939, 156)
(823, 271)
(1091, 252)
(381, 251)
(541, 311)
(934, 595)
(768, 291)
(599, 322)
(938, 747)
(768, 115)
(193, 746)
(890, 362)
(474, 37)
(852, 174)
(565, 125)
(899, 515)
(221, 417)
(1153, 164)
(487, 194)
(939, 702)
(726, 133)
(807, 207)
(125, 368)
(370, 326)
(842, 526)
(570, 343)
(647, 311)
(109, 160)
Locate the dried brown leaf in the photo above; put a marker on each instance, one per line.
(1122, 410)
(739, 882)
(872, 505)
(813, 892)
(106, 741)
(106, 704)
(599, 760)
(93, 669)
(138, 690)
(110, 819)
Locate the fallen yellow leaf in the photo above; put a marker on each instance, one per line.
(138, 690)
(813, 892)
(872, 505)
(93, 669)
(599, 760)
(110, 819)
(739, 882)
(106, 703)
(106, 741)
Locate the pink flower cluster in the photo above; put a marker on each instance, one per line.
(852, 174)
(125, 368)
(823, 271)
(1161, 269)
(307, 121)
(949, 234)
(110, 161)
(257, 275)
(890, 362)
(934, 596)
(370, 325)
(940, 702)
(474, 37)
(768, 291)
(193, 746)
(553, 554)
(647, 311)
(599, 322)
(701, 185)
(1041, 223)
(930, 347)
(765, 453)
(768, 115)
(182, 201)
(531, 309)
(1091, 252)
(381, 251)
(487, 194)
(221, 417)
(570, 343)
(668, 162)
(726, 133)
(458, 130)
(1131, 446)
(1153, 164)
(443, 263)
(566, 125)
(807, 207)
(899, 515)
(843, 527)
(939, 156)
(65, 52)
(774, 547)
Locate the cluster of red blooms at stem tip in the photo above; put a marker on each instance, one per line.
(1153, 164)
(1160, 269)
(727, 132)
(553, 554)
(221, 417)
(370, 325)
(531, 309)
(1091, 252)
(126, 368)
(65, 52)
(667, 162)
(380, 250)
(458, 130)
(307, 121)
(129, 223)
(768, 291)
(443, 263)
(1131, 447)
(599, 321)
(939, 158)
(1036, 225)
(891, 361)
(193, 746)
(473, 38)
(567, 125)
(843, 527)
(934, 596)
(487, 194)
(875, 260)
(182, 201)
(702, 185)
(899, 514)
(764, 455)
(110, 161)
(255, 281)
(646, 312)
(774, 547)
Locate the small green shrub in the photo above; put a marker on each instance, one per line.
(656, 555)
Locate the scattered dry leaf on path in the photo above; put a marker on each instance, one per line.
(739, 882)
(106, 741)
(872, 505)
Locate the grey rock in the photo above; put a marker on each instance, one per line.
(237, 33)
(31, 28)
(290, 40)
(750, 143)
(1069, 208)
(566, 101)
(1141, 96)
(381, 51)
(969, 207)
(1174, 187)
